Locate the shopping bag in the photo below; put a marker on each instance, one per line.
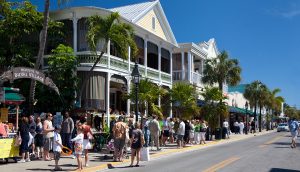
(30, 139)
(18, 140)
(145, 155)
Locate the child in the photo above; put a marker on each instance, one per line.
(57, 148)
(78, 146)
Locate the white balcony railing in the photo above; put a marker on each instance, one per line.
(196, 78)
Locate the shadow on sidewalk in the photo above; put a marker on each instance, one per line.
(282, 170)
(110, 166)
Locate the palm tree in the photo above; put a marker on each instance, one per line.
(148, 94)
(184, 98)
(276, 102)
(255, 93)
(121, 35)
(213, 106)
(42, 44)
(222, 70)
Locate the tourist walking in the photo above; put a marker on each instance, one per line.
(241, 127)
(252, 126)
(226, 128)
(78, 146)
(146, 132)
(32, 128)
(166, 131)
(119, 134)
(197, 132)
(67, 130)
(187, 132)
(154, 132)
(24, 133)
(294, 127)
(192, 132)
(203, 129)
(180, 133)
(137, 141)
(39, 139)
(48, 136)
(57, 147)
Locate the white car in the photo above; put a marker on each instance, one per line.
(283, 127)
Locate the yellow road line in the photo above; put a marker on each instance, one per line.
(270, 141)
(221, 164)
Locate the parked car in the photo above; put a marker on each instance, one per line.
(283, 127)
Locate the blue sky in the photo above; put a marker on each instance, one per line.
(263, 35)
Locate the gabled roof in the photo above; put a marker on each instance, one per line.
(132, 12)
(135, 12)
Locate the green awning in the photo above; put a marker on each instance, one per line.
(233, 109)
(12, 96)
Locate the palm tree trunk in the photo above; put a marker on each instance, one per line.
(42, 44)
(84, 83)
(259, 119)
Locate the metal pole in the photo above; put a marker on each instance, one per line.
(136, 103)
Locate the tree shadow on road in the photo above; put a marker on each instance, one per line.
(282, 170)
(110, 166)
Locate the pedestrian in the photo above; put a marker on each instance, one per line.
(180, 133)
(67, 130)
(39, 140)
(241, 127)
(146, 132)
(119, 134)
(48, 136)
(32, 128)
(252, 126)
(154, 132)
(236, 127)
(172, 131)
(187, 132)
(197, 132)
(78, 146)
(192, 132)
(294, 127)
(203, 129)
(88, 135)
(166, 131)
(226, 128)
(24, 133)
(137, 141)
(57, 147)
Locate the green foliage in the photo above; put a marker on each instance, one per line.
(148, 94)
(104, 29)
(214, 106)
(62, 70)
(184, 98)
(222, 69)
(292, 112)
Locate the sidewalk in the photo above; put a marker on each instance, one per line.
(100, 161)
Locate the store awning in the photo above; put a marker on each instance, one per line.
(233, 109)
(12, 97)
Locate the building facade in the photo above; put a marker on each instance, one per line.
(112, 75)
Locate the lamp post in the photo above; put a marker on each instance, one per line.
(246, 107)
(136, 80)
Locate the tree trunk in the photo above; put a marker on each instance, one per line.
(84, 83)
(42, 44)
(259, 119)
(220, 120)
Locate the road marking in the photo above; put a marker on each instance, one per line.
(221, 164)
(270, 142)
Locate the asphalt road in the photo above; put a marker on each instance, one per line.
(266, 153)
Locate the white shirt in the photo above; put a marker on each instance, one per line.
(181, 129)
(78, 139)
(56, 146)
(225, 124)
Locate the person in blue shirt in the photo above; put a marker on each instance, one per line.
(294, 127)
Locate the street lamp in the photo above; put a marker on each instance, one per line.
(136, 80)
(246, 107)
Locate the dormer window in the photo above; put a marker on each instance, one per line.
(153, 23)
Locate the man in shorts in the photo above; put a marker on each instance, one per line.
(180, 134)
(119, 133)
(294, 127)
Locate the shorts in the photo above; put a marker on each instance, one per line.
(166, 133)
(294, 134)
(48, 144)
(39, 140)
(180, 137)
(119, 144)
(56, 155)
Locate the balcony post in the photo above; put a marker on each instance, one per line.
(182, 66)
(159, 63)
(189, 67)
(145, 55)
(108, 54)
(75, 21)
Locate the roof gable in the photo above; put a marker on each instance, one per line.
(138, 12)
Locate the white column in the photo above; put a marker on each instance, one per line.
(108, 54)
(159, 63)
(75, 21)
(182, 66)
(189, 67)
(171, 66)
(108, 76)
(202, 66)
(159, 101)
(128, 91)
(171, 111)
(145, 55)
(129, 59)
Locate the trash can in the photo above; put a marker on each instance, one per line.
(218, 134)
(224, 133)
